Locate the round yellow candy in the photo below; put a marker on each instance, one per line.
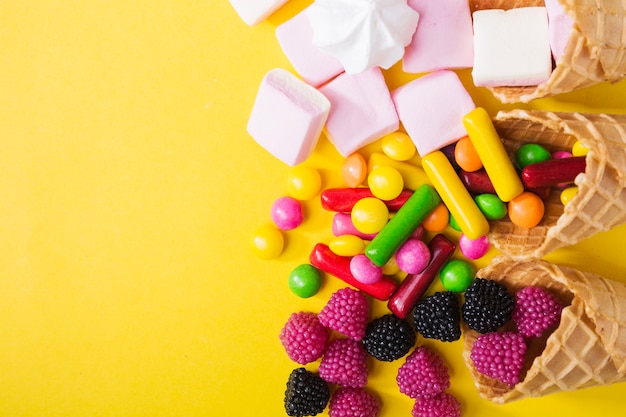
(347, 245)
(303, 182)
(579, 149)
(385, 182)
(567, 194)
(267, 242)
(391, 267)
(398, 146)
(369, 215)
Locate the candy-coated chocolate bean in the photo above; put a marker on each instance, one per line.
(579, 149)
(364, 270)
(347, 245)
(455, 195)
(456, 275)
(369, 215)
(474, 249)
(287, 213)
(305, 280)
(344, 199)
(342, 225)
(414, 286)
(553, 172)
(454, 224)
(267, 242)
(437, 220)
(413, 256)
(413, 176)
(398, 146)
(492, 153)
(385, 183)
(561, 154)
(531, 153)
(477, 182)
(491, 206)
(391, 267)
(339, 266)
(568, 194)
(466, 156)
(402, 225)
(526, 210)
(354, 170)
(303, 182)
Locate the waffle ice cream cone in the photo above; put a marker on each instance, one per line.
(595, 52)
(601, 200)
(588, 348)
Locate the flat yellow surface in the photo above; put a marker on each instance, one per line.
(129, 190)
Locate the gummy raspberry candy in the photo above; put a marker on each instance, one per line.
(438, 316)
(536, 310)
(304, 337)
(353, 402)
(388, 338)
(488, 305)
(441, 405)
(499, 356)
(306, 395)
(423, 374)
(344, 363)
(346, 312)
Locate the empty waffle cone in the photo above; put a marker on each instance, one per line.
(588, 348)
(595, 51)
(601, 200)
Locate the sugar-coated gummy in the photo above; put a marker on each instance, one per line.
(423, 374)
(440, 405)
(346, 312)
(499, 355)
(352, 402)
(344, 363)
(304, 337)
(536, 311)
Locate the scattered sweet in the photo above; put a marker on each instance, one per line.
(500, 356)
(437, 220)
(346, 312)
(347, 245)
(354, 170)
(465, 155)
(477, 182)
(385, 183)
(456, 275)
(306, 394)
(388, 338)
(305, 280)
(491, 206)
(303, 182)
(474, 249)
(398, 146)
(531, 153)
(536, 311)
(344, 199)
(304, 337)
(267, 242)
(342, 225)
(568, 195)
(423, 374)
(413, 256)
(526, 210)
(364, 270)
(369, 215)
(413, 175)
(254, 12)
(553, 172)
(488, 305)
(344, 363)
(350, 402)
(286, 213)
(440, 405)
(438, 316)
(579, 149)
(560, 27)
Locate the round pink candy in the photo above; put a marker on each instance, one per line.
(561, 155)
(413, 256)
(287, 213)
(364, 270)
(473, 249)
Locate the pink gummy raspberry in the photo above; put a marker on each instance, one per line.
(304, 337)
(346, 312)
(344, 363)
(440, 405)
(500, 356)
(351, 402)
(423, 374)
(536, 310)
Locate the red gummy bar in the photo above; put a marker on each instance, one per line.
(415, 285)
(326, 260)
(553, 172)
(343, 199)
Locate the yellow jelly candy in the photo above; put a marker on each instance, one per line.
(347, 245)
(267, 242)
(398, 146)
(369, 215)
(385, 183)
(567, 194)
(303, 182)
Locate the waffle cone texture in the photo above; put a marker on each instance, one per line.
(588, 348)
(595, 52)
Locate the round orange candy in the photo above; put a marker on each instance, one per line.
(526, 210)
(466, 156)
(354, 170)
(437, 220)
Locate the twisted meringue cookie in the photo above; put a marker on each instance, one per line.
(363, 34)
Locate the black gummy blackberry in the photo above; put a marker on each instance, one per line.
(307, 394)
(488, 305)
(438, 316)
(388, 338)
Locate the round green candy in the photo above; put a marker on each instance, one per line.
(491, 206)
(456, 275)
(531, 153)
(305, 280)
(454, 224)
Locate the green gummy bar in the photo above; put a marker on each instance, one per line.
(402, 225)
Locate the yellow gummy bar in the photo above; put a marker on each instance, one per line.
(491, 152)
(454, 195)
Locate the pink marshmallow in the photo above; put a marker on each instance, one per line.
(288, 116)
(560, 26)
(431, 109)
(254, 12)
(361, 110)
(443, 39)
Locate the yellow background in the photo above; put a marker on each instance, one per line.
(129, 190)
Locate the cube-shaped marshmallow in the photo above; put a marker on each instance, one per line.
(288, 116)
(512, 47)
(431, 109)
(361, 110)
(560, 25)
(443, 39)
(295, 37)
(254, 12)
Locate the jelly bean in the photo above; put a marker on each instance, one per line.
(385, 183)
(391, 267)
(305, 280)
(474, 249)
(267, 242)
(413, 256)
(287, 213)
(339, 266)
(568, 194)
(342, 225)
(402, 225)
(491, 206)
(414, 286)
(369, 215)
(553, 172)
(526, 210)
(344, 199)
(579, 149)
(437, 220)
(347, 245)
(413, 176)
(398, 146)
(354, 170)
(466, 156)
(455, 195)
(477, 182)
(456, 275)
(491, 151)
(364, 270)
(531, 153)
(303, 182)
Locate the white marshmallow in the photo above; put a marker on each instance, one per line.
(254, 12)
